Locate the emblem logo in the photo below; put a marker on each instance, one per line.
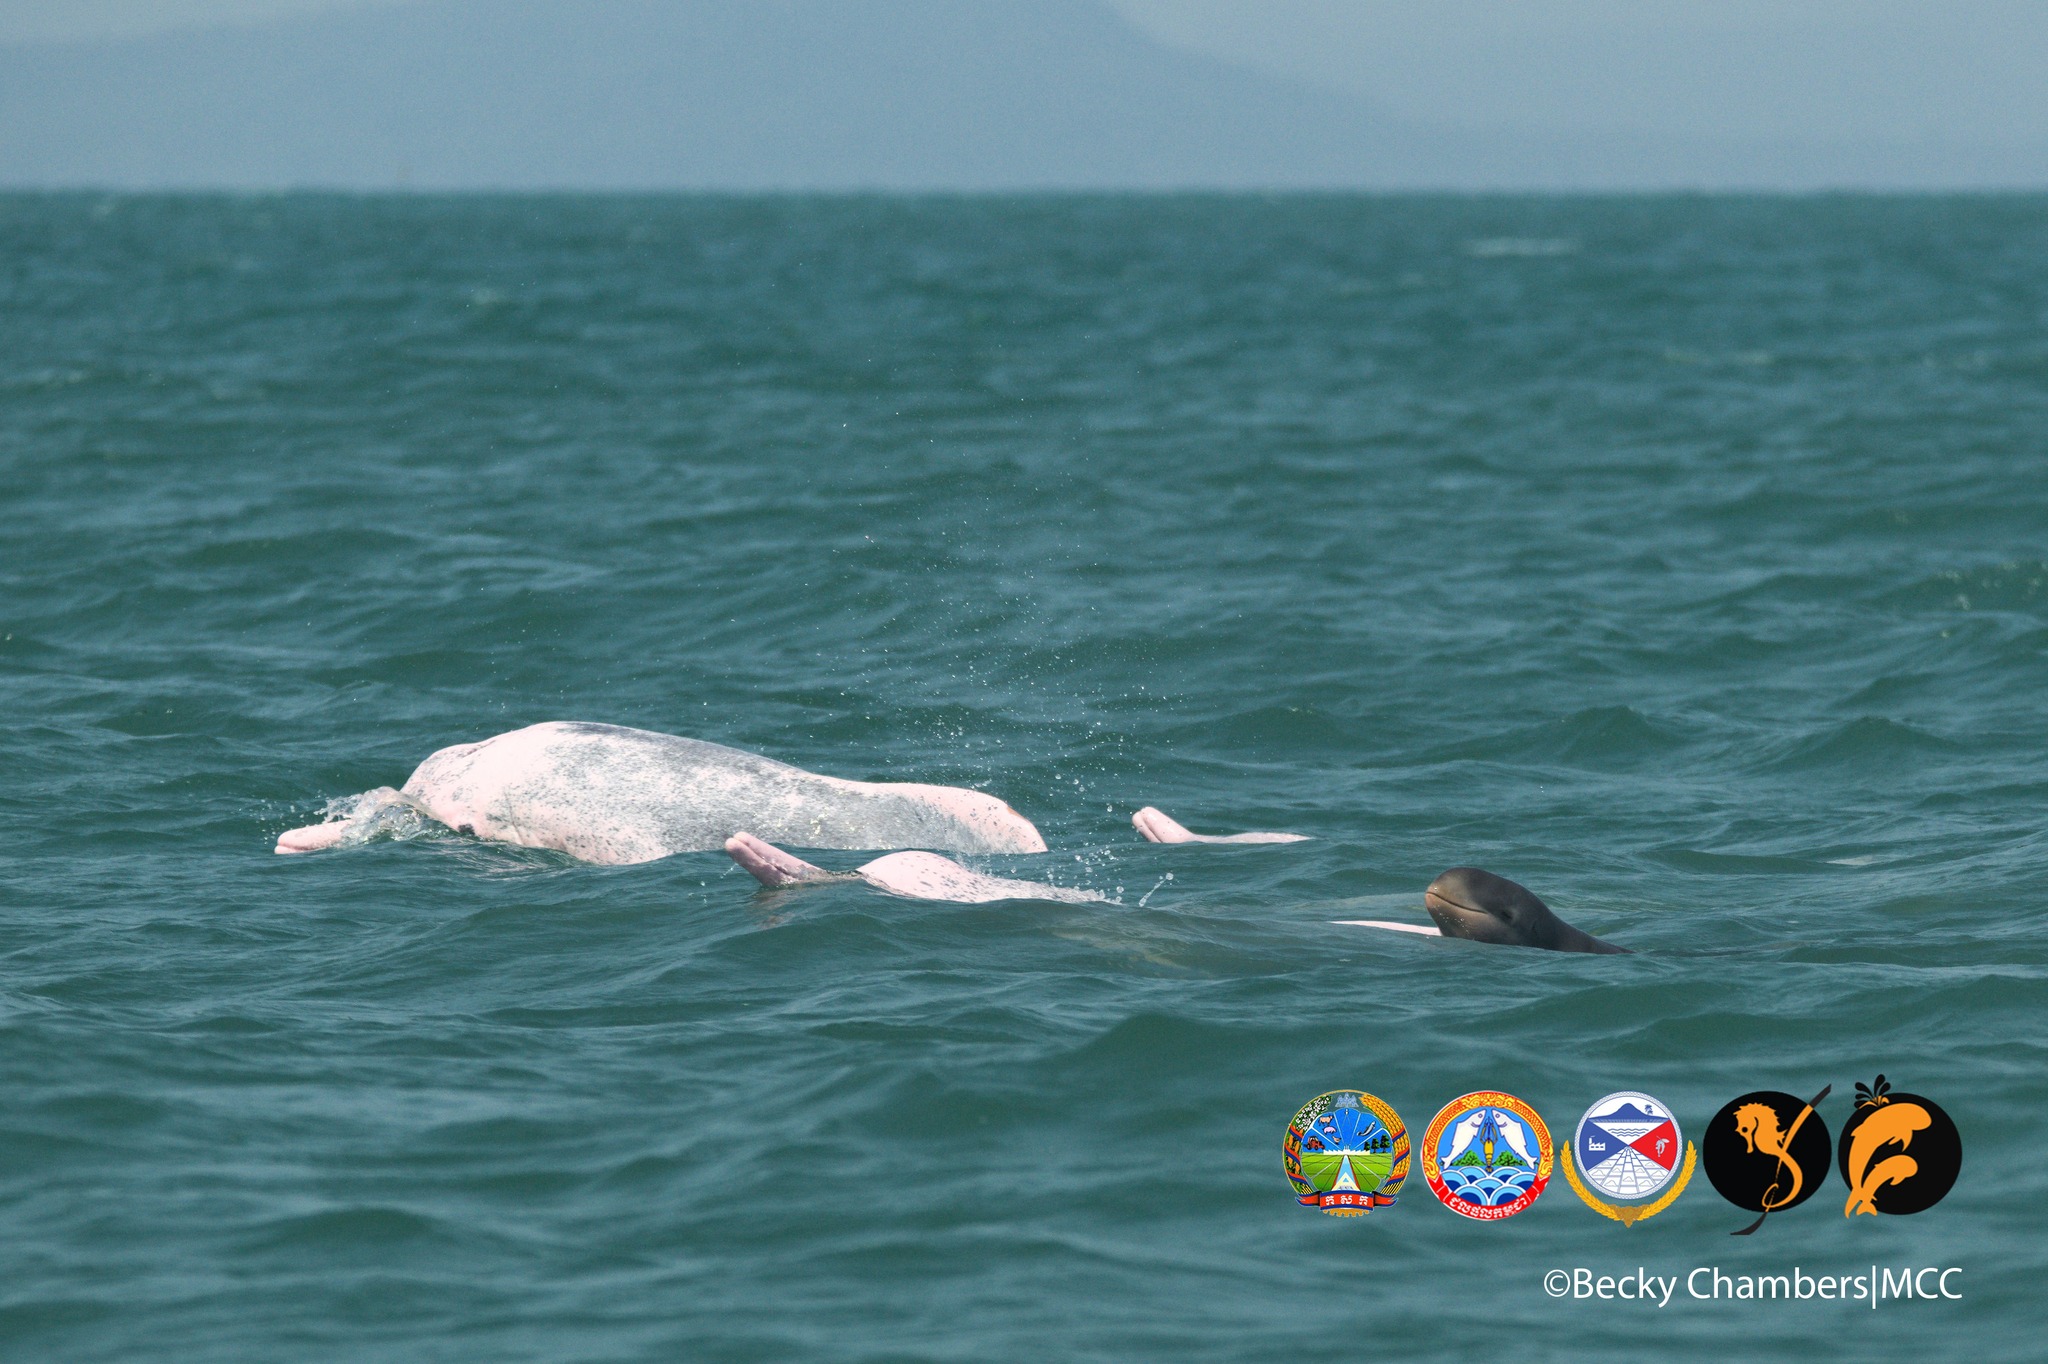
(1899, 1153)
(1767, 1151)
(1628, 1146)
(1346, 1153)
(1486, 1155)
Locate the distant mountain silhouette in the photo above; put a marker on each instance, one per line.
(647, 93)
(775, 94)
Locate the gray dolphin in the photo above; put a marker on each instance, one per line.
(604, 793)
(1469, 903)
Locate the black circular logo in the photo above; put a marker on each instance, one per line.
(1766, 1151)
(1899, 1153)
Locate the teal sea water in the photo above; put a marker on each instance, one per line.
(1685, 559)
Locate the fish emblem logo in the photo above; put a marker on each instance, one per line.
(1899, 1153)
(1487, 1155)
(1627, 1146)
(1767, 1151)
(1346, 1153)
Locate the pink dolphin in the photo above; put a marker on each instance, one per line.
(608, 794)
(916, 875)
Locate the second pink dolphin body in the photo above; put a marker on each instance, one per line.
(916, 875)
(927, 876)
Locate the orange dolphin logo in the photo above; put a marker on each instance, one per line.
(1892, 1125)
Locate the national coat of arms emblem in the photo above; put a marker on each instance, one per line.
(1346, 1153)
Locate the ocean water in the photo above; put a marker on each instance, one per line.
(1685, 559)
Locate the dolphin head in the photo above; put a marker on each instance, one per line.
(1469, 903)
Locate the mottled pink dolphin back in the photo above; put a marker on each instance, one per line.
(605, 793)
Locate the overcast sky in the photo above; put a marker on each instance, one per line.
(36, 20)
(1902, 70)
(1956, 74)
(1897, 70)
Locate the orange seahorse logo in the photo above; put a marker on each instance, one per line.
(1757, 1124)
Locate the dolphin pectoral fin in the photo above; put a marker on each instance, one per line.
(1426, 930)
(1160, 827)
(771, 866)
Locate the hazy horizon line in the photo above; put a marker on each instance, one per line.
(202, 191)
